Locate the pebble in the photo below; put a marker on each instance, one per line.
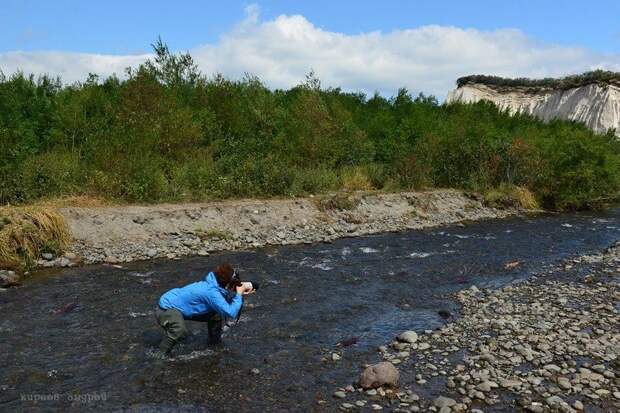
(423, 346)
(442, 401)
(566, 332)
(564, 383)
(110, 260)
(276, 228)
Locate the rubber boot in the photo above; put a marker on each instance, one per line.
(214, 327)
(166, 345)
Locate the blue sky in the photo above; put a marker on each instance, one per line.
(130, 26)
(68, 37)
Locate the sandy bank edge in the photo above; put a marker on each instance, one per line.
(128, 233)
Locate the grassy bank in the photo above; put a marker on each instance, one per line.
(28, 232)
(168, 133)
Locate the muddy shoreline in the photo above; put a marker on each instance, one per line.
(115, 235)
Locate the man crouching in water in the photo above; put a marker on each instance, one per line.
(218, 296)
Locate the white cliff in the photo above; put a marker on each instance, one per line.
(595, 105)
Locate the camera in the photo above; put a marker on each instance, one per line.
(254, 285)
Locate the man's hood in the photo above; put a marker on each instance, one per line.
(212, 283)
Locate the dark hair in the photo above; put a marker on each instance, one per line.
(226, 276)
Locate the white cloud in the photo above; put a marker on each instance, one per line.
(70, 66)
(283, 50)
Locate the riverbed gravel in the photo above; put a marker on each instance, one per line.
(548, 344)
(114, 235)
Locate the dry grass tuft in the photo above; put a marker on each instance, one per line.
(28, 232)
(510, 196)
(337, 202)
(356, 179)
(82, 201)
(213, 233)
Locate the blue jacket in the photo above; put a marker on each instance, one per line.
(200, 298)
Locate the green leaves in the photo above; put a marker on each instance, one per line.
(168, 133)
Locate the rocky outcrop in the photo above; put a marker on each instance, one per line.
(596, 105)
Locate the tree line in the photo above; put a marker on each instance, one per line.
(166, 132)
(569, 82)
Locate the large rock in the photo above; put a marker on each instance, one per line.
(408, 337)
(8, 279)
(380, 374)
(441, 402)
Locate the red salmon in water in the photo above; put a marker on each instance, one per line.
(67, 308)
(348, 342)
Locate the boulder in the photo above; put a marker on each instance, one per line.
(408, 337)
(8, 279)
(380, 374)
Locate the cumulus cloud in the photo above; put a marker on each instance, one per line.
(282, 51)
(71, 67)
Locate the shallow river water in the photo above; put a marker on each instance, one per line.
(82, 339)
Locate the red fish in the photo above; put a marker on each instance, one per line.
(348, 342)
(67, 308)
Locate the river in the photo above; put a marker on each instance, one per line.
(82, 339)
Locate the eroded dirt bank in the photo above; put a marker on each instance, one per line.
(129, 233)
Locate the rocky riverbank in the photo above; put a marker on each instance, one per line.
(121, 234)
(549, 344)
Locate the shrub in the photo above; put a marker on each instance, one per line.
(510, 196)
(51, 174)
(142, 180)
(339, 202)
(195, 178)
(168, 133)
(314, 180)
(595, 76)
(355, 179)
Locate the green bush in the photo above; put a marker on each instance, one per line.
(169, 133)
(51, 174)
(595, 76)
(314, 180)
(195, 179)
(142, 179)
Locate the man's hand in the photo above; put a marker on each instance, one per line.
(246, 288)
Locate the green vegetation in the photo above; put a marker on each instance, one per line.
(596, 76)
(214, 233)
(168, 133)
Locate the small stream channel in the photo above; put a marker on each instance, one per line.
(81, 339)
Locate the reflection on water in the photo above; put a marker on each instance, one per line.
(92, 329)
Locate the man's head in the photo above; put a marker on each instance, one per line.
(227, 277)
